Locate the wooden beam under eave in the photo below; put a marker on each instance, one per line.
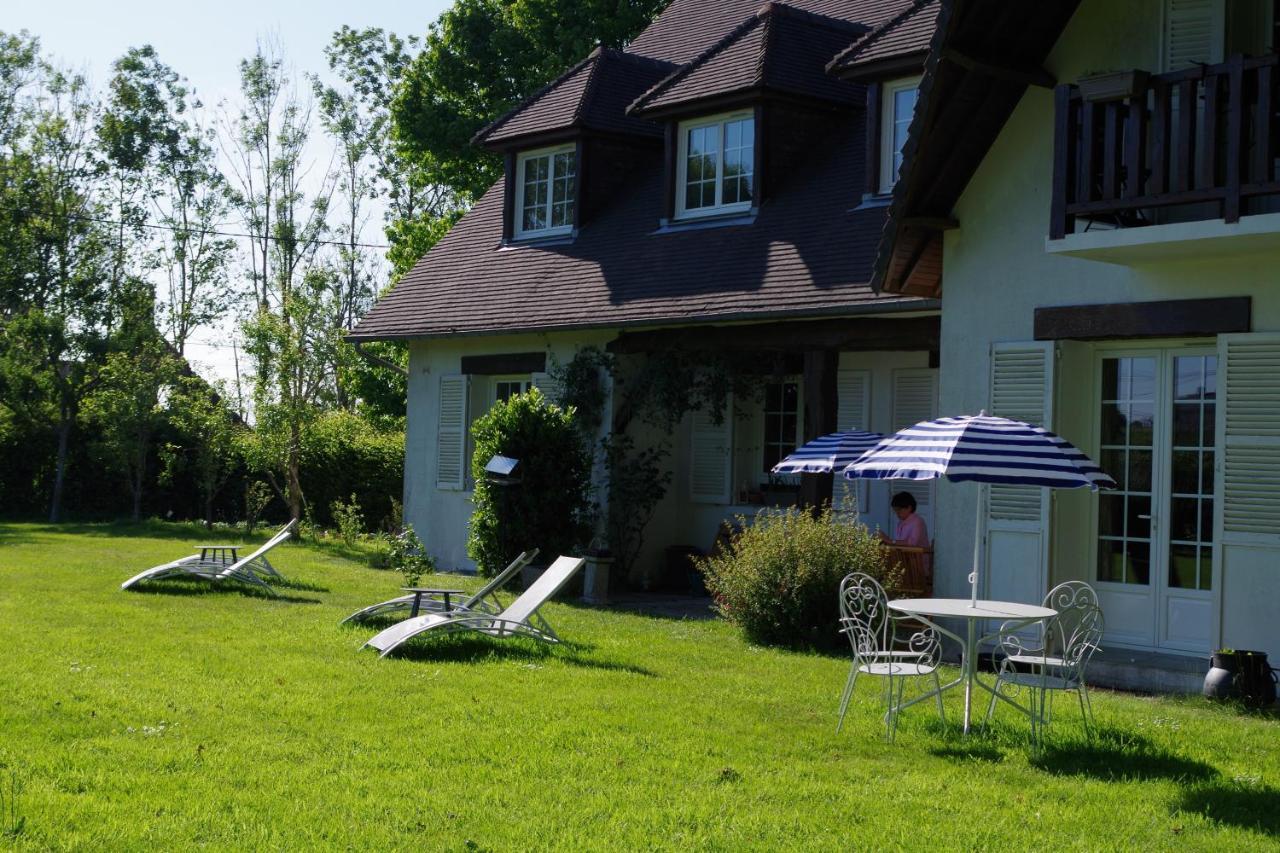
(924, 273)
(931, 223)
(1022, 75)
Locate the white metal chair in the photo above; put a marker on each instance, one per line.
(220, 563)
(1056, 661)
(484, 599)
(519, 619)
(885, 646)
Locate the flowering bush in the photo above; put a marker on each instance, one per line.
(780, 579)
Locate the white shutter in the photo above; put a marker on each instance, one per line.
(451, 433)
(710, 448)
(1247, 491)
(1194, 32)
(853, 411)
(853, 399)
(915, 399)
(1019, 391)
(1017, 554)
(550, 388)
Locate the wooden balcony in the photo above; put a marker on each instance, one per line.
(1203, 140)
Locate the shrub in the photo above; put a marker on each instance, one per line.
(407, 555)
(550, 508)
(349, 520)
(780, 580)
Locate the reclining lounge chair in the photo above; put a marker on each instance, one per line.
(520, 619)
(485, 599)
(221, 562)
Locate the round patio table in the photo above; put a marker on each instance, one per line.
(963, 608)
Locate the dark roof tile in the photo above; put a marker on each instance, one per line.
(903, 35)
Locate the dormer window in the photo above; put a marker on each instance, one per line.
(546, 192)
(715, 172)
(898, 103)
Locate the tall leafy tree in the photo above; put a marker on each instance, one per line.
(57, 298)
(480, 58)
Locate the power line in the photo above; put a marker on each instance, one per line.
(203, 231)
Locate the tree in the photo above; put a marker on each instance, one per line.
(128, 409)
(57, 306)
(290, 334)
(481, 58)
(209, 437)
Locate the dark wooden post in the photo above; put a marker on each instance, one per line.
(819, 418)
(1063, 144)
(508, 196)
(1235, 138)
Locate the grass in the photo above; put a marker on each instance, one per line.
(181, 717)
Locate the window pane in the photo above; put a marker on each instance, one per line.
(1183, 519)
(1139, 526)
(1111, 515)
(1113, 423)
(1111, 560)
(1138, 563)
(904, 104)
(535, 193)
(1206, 568)
(1139, 471)
(1141, 418)
(739, 161)
(1186, 472)
(1182, 566)
(1186, 424)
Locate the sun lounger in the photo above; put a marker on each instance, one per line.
(221, 562)
(435, 601)
(520, 619)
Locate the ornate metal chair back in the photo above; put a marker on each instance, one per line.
(864, 616)
(1073, 600)
(1081, 637)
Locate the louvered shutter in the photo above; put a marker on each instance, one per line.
(1247, 492)
(853, 411)
(710, 452)
(550, 388)
(1017, 553)
(451, 433)
(853, 399)
(915, 399)
(1194, 32)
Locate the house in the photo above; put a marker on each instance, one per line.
(716, 192)
(1096, 186)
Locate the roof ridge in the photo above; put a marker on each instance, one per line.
(766, 14)
(480, 135)
(589, 89)
(818, 19)
(697, 62)
(623, 55)
(874, 35)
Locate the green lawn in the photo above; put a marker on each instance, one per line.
(175, 718)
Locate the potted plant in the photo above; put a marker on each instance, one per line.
(1241, 674)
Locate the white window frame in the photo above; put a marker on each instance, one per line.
(525, 380)
(888, 120)
(682, 167)
(517, 223)
(798, 381)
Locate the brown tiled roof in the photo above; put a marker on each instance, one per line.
(779, 48)
(689, 27)
(904, 35)
(806, 254)
(592, 94)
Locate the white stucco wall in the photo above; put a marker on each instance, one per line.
(997, 273)
(440, 516)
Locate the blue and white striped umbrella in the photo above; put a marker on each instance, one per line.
(981, 449)
(828, 453)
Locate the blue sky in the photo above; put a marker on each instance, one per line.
(204, 42)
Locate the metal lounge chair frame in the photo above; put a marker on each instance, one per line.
(484, 599)
(520, 619)
(250, 570)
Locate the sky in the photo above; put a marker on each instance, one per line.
(204, 42)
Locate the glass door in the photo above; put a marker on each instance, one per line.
(1155, 532)
(1127, 407)
(1186, 589)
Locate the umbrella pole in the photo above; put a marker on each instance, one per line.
(977, 547)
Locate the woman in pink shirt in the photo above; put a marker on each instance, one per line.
(911, 529)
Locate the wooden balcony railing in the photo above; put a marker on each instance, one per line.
(1203, 136)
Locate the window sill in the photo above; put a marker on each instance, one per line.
(672, 226)
(562, 239)
(873, 202)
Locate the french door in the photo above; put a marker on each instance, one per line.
(1154, 556)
